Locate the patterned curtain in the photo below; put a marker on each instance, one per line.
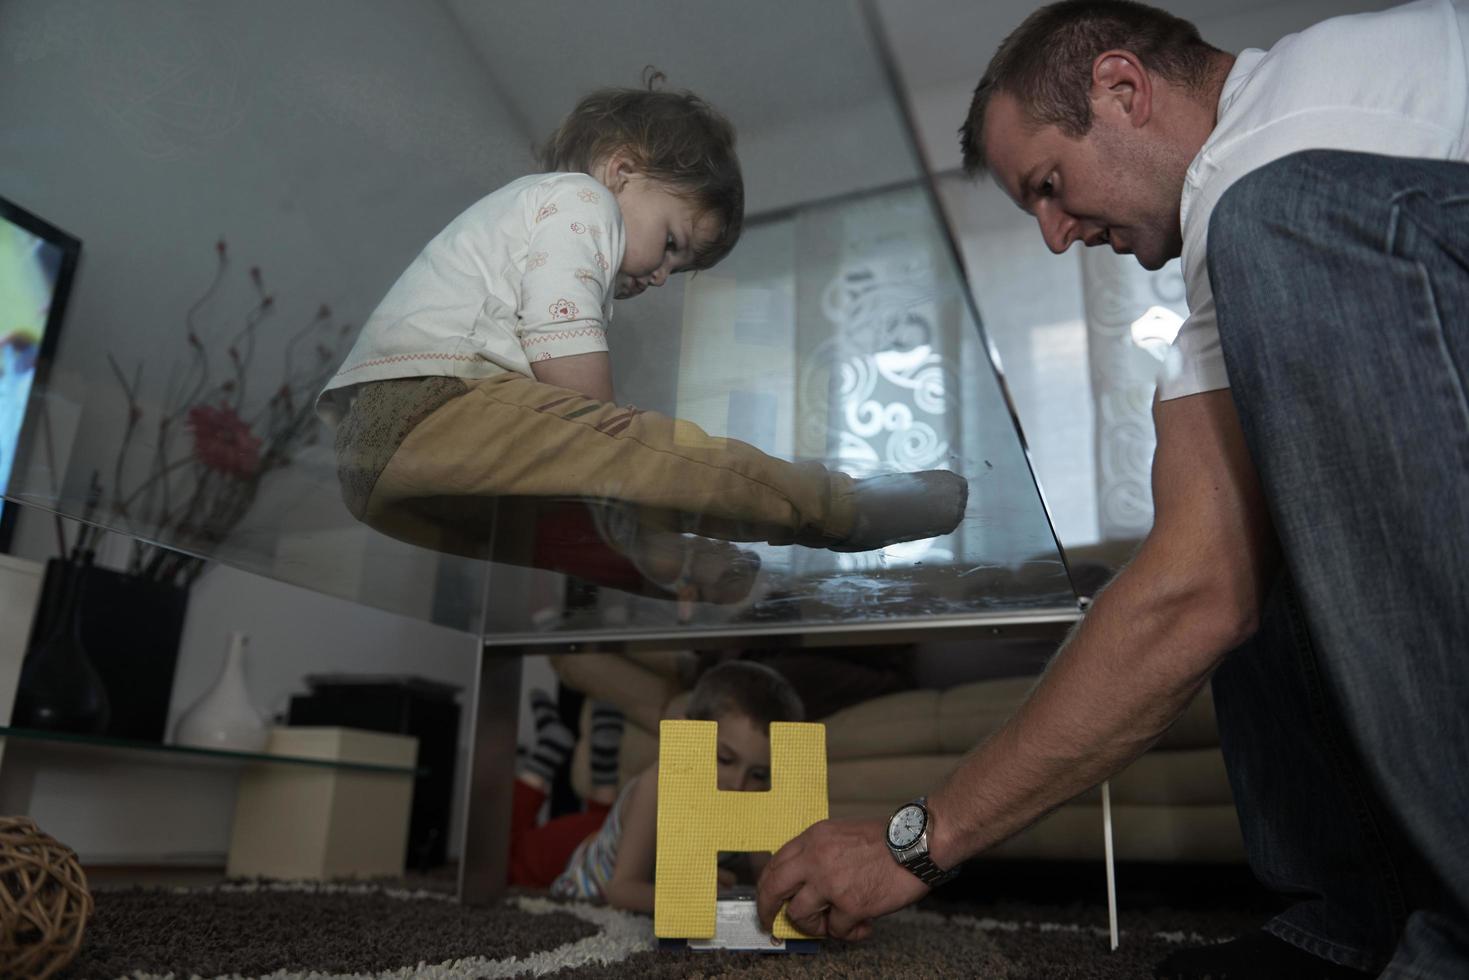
(1129, 313)
(878, 320)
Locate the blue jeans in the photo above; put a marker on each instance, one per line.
(1341, 282)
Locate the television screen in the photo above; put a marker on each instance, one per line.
(36, 265)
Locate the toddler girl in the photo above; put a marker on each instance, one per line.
(476, 414)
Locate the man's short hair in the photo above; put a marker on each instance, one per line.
(1046, 63)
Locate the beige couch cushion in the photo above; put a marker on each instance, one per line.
(956, 720)
(1189, 777)
(906, 723)
(1168, 805)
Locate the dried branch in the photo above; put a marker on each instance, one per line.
(193, 496)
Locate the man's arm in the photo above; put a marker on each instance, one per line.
(1149, 642)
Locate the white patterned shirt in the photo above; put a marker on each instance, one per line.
(525, 274)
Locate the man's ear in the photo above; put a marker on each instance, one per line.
(1121, 87)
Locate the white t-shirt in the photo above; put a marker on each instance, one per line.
(1394, 83)
(525, 274)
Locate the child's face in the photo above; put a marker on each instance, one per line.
(662, 231)
(743, 754)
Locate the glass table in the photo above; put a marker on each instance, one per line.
(269, 173)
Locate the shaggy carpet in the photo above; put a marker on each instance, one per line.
(284, 931)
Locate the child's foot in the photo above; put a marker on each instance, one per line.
(700, 568)
(606, 744)
(554, 740)
(905, 507)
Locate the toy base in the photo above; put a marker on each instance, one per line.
(737, 928)
(802, 947)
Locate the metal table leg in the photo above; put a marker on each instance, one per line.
(484, 845)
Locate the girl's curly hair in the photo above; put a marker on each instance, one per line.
(673, 137)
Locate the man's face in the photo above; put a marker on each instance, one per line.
(1109, 187)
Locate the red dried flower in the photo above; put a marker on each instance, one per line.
(223, 441)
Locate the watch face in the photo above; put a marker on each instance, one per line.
(906, 826)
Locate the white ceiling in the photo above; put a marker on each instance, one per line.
(765, 63)
(789, 72)
(937, 42)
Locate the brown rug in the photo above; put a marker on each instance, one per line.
(285, 931)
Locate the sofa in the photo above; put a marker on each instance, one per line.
(1171, 805)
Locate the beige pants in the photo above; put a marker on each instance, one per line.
(464, 466)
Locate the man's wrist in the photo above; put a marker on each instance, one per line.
(909, 838)
(944, 847)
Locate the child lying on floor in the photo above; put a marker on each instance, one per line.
(605, 853)
(477, 403)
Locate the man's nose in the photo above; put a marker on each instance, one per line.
(659, 276)
(1058, 228)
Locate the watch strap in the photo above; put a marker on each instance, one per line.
(929, 873)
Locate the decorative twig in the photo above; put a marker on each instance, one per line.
(191, 497)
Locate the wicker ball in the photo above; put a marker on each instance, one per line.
(44, 902)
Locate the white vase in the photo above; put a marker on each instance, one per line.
(224, 718)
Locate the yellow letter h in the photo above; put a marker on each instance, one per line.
(697, 820)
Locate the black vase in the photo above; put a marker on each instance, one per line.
(59, 689)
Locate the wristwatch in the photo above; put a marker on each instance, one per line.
(907, 839)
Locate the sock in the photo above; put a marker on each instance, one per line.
(553, 739)
(606, 743)
(1259, 956)
(904, 507)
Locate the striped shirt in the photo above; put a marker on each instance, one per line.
(592, 863)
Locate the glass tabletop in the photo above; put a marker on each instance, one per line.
(206, 202)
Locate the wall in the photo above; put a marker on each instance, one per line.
(327, 142)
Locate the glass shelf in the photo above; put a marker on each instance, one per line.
(194, 752)
(230, 248)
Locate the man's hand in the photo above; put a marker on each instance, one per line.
(837, 876)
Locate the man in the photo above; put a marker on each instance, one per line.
(1311, 477)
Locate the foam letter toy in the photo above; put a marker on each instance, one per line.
(697, 820)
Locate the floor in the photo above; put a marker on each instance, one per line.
(124, 875)
(1138, 885)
